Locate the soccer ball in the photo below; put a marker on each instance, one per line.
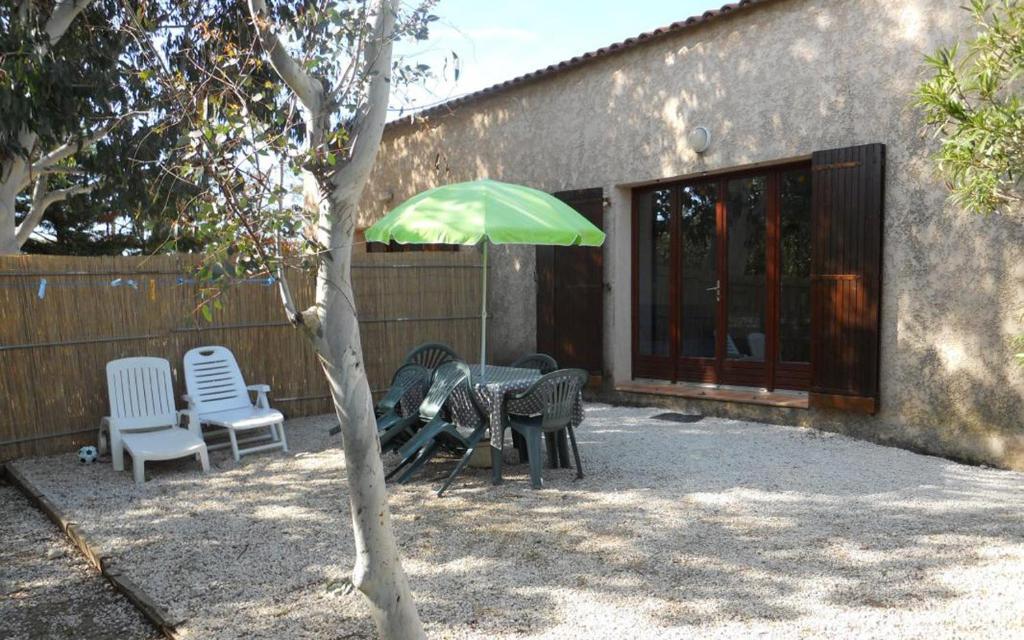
(88, 455)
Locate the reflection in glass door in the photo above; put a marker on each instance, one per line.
(745, 269)
(700, 291)
(654, 272)
(795, 266)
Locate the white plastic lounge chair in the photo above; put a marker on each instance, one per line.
(143, 420)
(218, 396)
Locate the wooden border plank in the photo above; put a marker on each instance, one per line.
(106, 565)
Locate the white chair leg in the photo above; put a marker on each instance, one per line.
(139, 470)
(284, 442)
(274, 437)
(234, 445)
(204, 460)
(117, 451)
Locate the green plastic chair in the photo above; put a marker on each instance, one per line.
(427, 441)
(393, 428)
(540, 361)
(432, 355)
(437, 433)
(554, 396)
(386, 411)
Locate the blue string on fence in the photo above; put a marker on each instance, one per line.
(46, 284)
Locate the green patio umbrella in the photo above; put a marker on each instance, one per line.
(485, 211)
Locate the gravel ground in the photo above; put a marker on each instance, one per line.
(717, 529)
(48, 590)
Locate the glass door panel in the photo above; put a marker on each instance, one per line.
(654, 272)
(795, 266)
(722, 279)
(697, 228)
(746, 287)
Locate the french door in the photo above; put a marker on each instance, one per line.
(721, 269)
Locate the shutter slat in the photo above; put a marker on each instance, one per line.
(846, 262)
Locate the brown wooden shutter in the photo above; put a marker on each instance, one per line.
(846, 276)
(570, 293)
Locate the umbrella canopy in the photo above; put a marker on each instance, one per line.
(468, 212)
(482, 211)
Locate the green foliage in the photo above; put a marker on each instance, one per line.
(244, 147)
(89, 79)
(61, 91)
(972, 105)
(132, 209)
(213, 145)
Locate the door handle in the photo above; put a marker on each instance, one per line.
(717, 289)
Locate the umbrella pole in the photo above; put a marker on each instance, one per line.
(483, 320)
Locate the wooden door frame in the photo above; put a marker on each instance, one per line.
(772, 372)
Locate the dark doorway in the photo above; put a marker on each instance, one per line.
(570, 293)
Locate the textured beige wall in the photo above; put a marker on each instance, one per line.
(773, 82)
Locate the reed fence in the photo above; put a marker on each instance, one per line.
(63, 318)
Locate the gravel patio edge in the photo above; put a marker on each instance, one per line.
(105, 565)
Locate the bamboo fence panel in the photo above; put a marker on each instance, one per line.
(55, 339)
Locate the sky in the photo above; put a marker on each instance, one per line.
(497, 40)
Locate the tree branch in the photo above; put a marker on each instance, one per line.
(41, 201)
(45, 163)
(368, 127)
(309, 90)
(64, 12)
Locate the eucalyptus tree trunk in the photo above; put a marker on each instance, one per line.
(331, 198)
(17, 171)
(12, 174)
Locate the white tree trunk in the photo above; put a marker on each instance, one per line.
(8, 195)
(15, 172)
(332, 324)
(378, 569)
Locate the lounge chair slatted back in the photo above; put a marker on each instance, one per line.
(540, 361)
(397, 420)
(432, 355)
(141, 393)
(214, 380)
(436, 433)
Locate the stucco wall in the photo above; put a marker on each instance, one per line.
(777, 81)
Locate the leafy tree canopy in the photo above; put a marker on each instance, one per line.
(972, 104)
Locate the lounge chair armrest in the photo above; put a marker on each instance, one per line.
(261, 394)
(190, 402)
(192, 422)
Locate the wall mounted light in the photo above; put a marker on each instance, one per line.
(699, 139)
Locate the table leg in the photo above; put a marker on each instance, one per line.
(496, 451)
(496, 465)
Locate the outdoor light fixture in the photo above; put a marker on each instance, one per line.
(699, 139)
